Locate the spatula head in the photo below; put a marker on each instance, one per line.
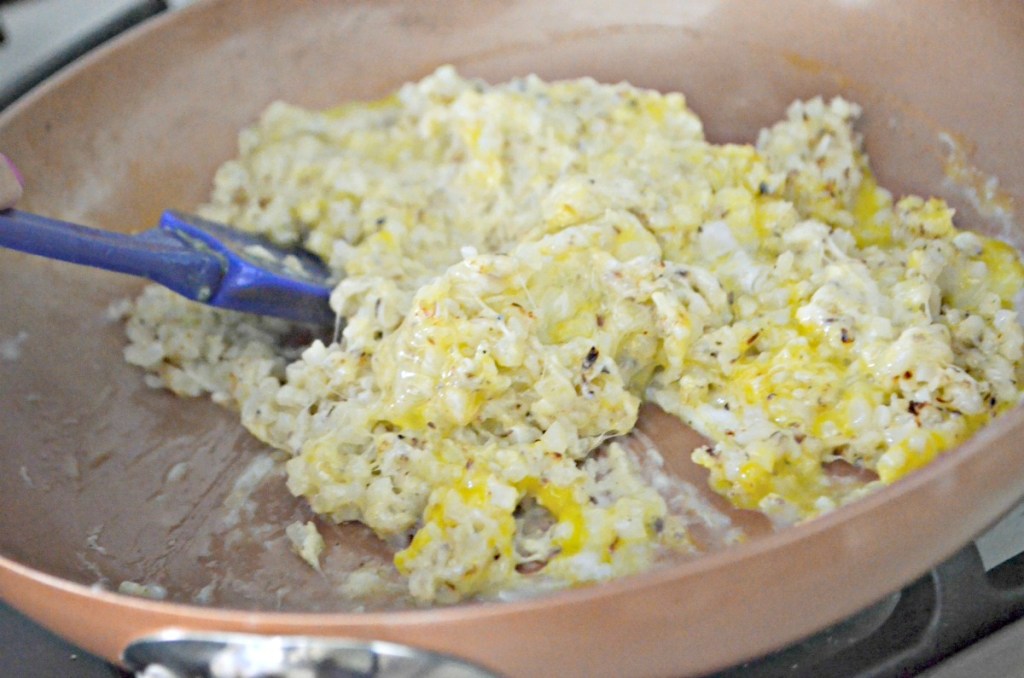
(259, 276)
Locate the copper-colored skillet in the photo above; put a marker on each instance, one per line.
(91, 484)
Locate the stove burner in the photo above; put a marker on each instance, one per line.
(41, 36)
(947, 610)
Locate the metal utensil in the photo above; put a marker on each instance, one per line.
(199, 259)
(180, 654)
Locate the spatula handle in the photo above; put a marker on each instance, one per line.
(155, 254)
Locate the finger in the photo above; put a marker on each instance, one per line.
(10, 183)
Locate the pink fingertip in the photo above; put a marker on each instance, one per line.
(14, 168)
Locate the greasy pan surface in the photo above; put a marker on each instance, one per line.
(90, 481)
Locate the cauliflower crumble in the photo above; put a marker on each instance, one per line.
(522, 265)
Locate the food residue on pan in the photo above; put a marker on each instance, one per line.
(521, 266)
(152, 591)
(306, 542)
(981, 190)
(10, 347)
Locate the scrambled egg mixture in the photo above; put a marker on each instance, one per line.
(520, 266)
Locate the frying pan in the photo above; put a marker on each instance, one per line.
(104, 480)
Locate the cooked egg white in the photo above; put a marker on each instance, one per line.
(522, 265)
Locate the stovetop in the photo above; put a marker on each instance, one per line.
(964, 618)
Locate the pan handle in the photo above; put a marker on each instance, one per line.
(181, 654)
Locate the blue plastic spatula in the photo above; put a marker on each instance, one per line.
(199, 259)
